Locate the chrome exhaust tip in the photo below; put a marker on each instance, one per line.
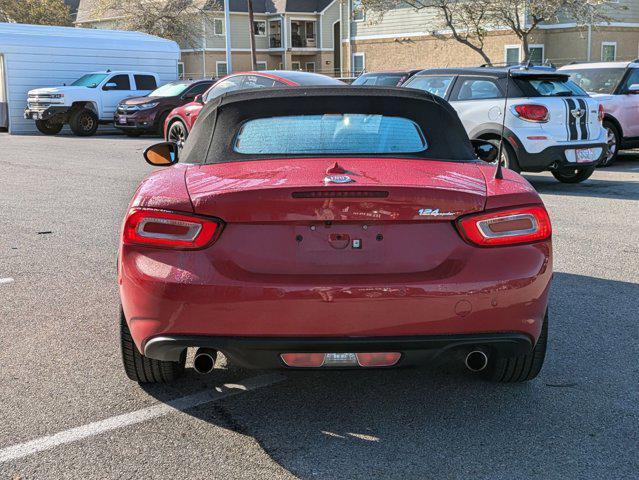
(476, 361)
(204, 361)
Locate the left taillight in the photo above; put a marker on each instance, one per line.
(160, 228)
(532, 112)
(506, 227)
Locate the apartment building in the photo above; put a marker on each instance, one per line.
(289, 34)
(339, 38)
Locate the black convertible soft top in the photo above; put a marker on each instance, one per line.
(211, 140)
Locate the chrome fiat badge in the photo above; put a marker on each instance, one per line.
(337, 179)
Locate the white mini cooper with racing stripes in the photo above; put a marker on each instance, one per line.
(551, 123)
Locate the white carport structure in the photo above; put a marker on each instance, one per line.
(33, 56)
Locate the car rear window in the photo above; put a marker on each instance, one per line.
(329, 134)
(550, 87)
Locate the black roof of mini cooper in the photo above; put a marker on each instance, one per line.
(211, 140)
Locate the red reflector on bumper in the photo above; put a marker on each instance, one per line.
(378, 359)
(303, 359)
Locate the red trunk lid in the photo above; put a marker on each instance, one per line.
(268, 191)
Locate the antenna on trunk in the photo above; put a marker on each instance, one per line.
(498, 173)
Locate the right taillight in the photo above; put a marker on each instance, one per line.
(506, 227)
(601, 112)
(532, 112)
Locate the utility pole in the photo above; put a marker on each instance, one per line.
(252, 35)
(227, 31)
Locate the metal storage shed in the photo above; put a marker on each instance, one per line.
(33, 56)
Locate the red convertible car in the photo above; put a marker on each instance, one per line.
(333, 227)
(180, 121)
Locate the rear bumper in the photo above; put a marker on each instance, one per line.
(265, 352)
(203, 295)
(556, 157)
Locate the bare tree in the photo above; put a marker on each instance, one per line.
(524, 17)
(172, 19)
(469, 22)
(39, 12)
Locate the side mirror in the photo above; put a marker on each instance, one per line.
(485, 151)
(198, 99)
(162, 154)
(110, 86)
(634, 88)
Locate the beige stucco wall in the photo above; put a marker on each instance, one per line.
(560, 47)
(241, 62)
(428, 51)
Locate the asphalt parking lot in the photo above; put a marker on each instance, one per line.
(68, 411)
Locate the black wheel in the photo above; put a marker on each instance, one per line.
(177, 133)
(573, 175)
(48, 127)
(613, 140)
(83, 122)
(133, 134)
(522, 367)
(143, 369)
(161, 120)
(508, 156)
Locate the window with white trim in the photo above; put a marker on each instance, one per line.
(261, 66)
(218, 26)
(259, 28)
(511, 54)
(295, 66)
(536, 54)
(220, 69)
(310, 66)
(180, 70)
(359, 63)
(358, 11)
(608, 51)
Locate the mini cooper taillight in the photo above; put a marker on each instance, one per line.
(601, 113)
(506, 227)
(160, 228)
(531, 112)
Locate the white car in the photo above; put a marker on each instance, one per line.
(551, 123)
(87, 102)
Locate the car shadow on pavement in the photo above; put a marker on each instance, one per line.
(617, 189)
(576, 420)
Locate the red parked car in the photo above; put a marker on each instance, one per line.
(180, 121)
(333, 227)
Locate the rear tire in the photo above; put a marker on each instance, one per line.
(573, 175)
(48, 128)
(508, 156)
(142, 369)
(613, 139)
(520, 368)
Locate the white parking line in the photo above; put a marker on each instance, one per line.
(138, 416)
(6, 280)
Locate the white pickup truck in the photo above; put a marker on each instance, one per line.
(87, 102)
